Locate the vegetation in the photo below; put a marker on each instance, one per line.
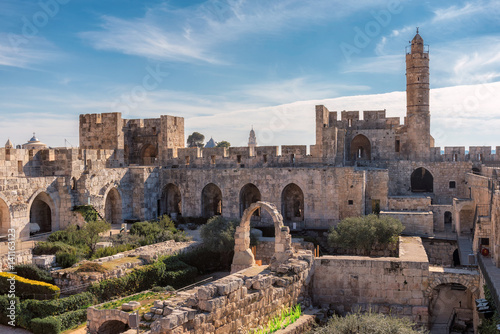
(26, 288)
(368, 323)
(363, 233)
(218, 236)
(56, 324)
(286, 317)
(195, 140)
(489, 326)
(88, 212)
(165, 271)
(5, 304)
(160, 230)
(31, 271)
(90, 267)
(223, 144)
(31, 309)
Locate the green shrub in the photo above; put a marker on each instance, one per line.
(61, 235)
(51, 248)
(218, 237)
(67, 259)
(362, 233)
(26, 288)
(72, 319)
(31, 309)
(7, 308)
(157, 231)
(31, 271)
(90, 267)
(168, 271)
(108, 251)
(88, 212)
(367, 323)
(49, 325)
(203, 259)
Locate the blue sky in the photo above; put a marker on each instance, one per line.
(226, 65)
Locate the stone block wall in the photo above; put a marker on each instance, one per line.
(440, 252)
(415, 223)
(409, 203)
(387, 285)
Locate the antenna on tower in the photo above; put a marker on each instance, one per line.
(417, 30)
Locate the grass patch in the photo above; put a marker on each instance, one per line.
(287, 317)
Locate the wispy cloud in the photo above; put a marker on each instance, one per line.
(18, 51)
(195, 33)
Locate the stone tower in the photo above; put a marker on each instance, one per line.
(252, 143)
(417, 100)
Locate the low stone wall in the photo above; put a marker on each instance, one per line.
(78, 282)
(21, 257)
(265, 248)
(386, 285)
(413, 203)
(233, 304)
(440, 252)
(415, 223)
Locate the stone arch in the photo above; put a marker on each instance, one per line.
(42, 212)
(361, 148)
(470, 281)
(113, 206)
(444, 298)
(171, 200)
(249, 194)
(422, 181)
(211, 201)
(148, 154)
(243, 257)
(292, 203)
(4, 218)
(112, 327)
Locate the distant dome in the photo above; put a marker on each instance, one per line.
(210, 143)
(34, 144)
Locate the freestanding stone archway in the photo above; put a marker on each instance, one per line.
(243, 257)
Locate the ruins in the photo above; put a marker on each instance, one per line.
(139, 169)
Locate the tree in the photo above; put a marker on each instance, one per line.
(362, 233)
(195, 140)
(223, 143)
(368, 323)
(90, 233)
(218, 236)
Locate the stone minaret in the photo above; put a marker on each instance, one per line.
(252, 143)
(417, 100)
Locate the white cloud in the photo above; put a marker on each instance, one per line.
(23, 52)
(195, 33)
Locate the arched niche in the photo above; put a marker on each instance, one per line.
(361, 149)
(113, 207)
(171, 200)
(249, 194)
(422, 181)
(211, 201)
(292, 203)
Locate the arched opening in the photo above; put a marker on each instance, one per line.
(360, 148)
(211, 201)
(448, 221)
(450, 306)
(112, 327)
(422, 181)
(73, 183)
(171, 201)
(476, 171)
(113, 207)
(292, 203)
(41, 214)
(148, 155)
(249, 194)
(4, 218)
